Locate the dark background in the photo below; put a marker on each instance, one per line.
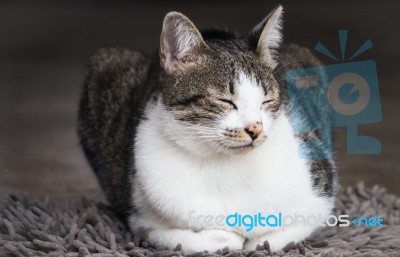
(44, 47)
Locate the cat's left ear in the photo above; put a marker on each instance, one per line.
(266, 37)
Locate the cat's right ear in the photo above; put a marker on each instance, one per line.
(180, 43)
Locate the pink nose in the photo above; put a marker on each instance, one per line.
(254, 129)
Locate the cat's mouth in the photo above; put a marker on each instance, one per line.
(242, 148)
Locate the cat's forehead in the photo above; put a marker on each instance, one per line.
(239, 64)
(248, 88)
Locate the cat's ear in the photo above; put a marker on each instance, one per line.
(266, 37)
(180, 43)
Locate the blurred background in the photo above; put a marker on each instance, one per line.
(44, 47)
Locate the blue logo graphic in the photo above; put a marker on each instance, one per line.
(339, 95)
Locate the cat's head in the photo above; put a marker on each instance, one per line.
(218, 91)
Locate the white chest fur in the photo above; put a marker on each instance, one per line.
(171, 187)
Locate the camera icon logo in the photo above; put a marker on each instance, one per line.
(359, 85)
(338, 95)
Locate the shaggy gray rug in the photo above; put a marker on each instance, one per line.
(84, 228)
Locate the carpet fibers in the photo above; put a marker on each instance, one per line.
(85, 228)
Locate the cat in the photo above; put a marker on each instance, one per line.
(202, 128)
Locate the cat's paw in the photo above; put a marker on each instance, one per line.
(214, 240)
(191, 242)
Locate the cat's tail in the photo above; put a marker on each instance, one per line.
(107, 121)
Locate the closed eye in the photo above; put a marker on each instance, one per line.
(229, 102)
(268, 101)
